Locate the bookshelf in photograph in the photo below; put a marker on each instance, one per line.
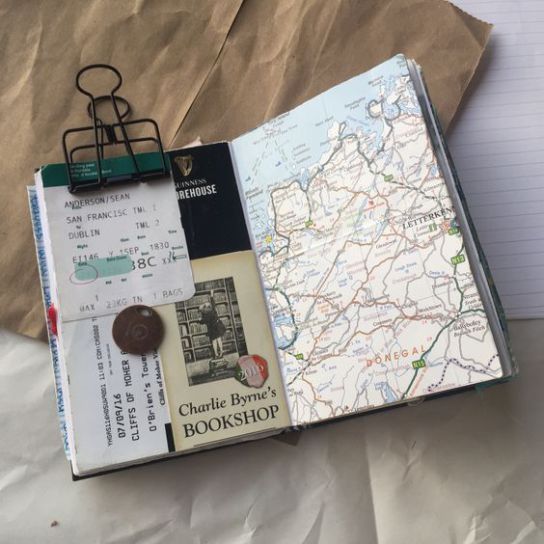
(194, 338)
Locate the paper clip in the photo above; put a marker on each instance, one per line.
(111, 134)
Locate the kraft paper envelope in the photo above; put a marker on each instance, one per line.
(200, 68)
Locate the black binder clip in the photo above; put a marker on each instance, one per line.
(111, 134)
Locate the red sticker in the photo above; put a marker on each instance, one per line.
(52, 316)
(252, 370)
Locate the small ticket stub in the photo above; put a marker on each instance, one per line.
(117, 247)
(117, 400)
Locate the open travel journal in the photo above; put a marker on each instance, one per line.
(320, 266)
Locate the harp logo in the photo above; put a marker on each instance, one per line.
(185, 164)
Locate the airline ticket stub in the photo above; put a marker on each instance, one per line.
(117, 247)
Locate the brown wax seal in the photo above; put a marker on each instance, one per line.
(138, 330)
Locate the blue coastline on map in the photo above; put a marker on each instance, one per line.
(304, 132)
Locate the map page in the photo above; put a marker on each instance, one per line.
(365, 271)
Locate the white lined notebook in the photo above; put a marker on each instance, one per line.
(497, 144)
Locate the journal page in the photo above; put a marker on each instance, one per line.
(365, 270)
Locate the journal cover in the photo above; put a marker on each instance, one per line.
(345, 278)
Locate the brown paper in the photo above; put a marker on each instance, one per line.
(210, 69)
(307, 47)
(164, 49)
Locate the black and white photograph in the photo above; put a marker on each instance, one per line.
(212, 336)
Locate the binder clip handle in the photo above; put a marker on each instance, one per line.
(111, 97)
(98, 67)
(111, 134)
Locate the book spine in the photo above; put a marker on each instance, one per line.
(47, 300)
